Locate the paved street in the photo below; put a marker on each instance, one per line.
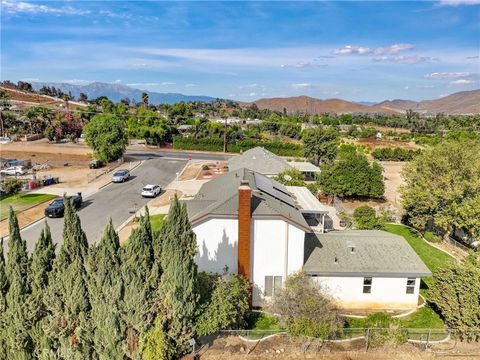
(114, 200)
(143, 154)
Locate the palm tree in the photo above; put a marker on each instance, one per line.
(145, 99)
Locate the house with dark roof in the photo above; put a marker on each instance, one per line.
(248, 223)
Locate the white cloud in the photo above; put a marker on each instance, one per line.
(16, 7)
(350, 49)
(30, 79)
(300, 86)
(166, 83)
(406, 87)
(118, 81)
(143, 84)
(252, 94)
(414, 59)
(458, 2)
(446, 75)
(190, 85)
(302, 65)
(393, 49)
(461, 82)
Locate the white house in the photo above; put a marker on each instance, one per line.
(254, 226)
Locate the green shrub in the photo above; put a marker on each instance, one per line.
(12, 186)
(365, 218)
(431, 237)
(384, 330)
(395, 154)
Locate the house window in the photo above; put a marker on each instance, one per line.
(367, 285)
(411, 285)
(273, 284)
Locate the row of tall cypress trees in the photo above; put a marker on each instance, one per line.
(99, 302)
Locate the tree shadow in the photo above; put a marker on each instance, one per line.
(224, 256)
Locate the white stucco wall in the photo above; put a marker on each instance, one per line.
(274, 253)
(217, 241)
(386, 292)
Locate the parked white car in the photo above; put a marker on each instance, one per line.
(5, 140)
(14, 170)
(151, 190)
(121, 175)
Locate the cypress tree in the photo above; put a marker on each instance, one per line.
(18, 341)
(3, 281)
(178, 286)
(3, 303)
(68, 301)
(41, 265)
(106, 288)
(137, 258)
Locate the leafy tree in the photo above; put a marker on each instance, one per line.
(67, 296)
(18, 341)
(321, 144)
(105, 288)
(145, 99)
(83, 97)
(3, 282)
(12, 186)
(178, 286)
(304, 309)
(443, 186)
(365, 217)
(105, 134)
(228, 306)
(352, 176)
(291, 177)
(455, 291)
(136, 266)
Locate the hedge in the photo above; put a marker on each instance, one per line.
(396, 154)
(216, 144)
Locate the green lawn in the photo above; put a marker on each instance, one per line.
(20, 202)
(157, 221)
(261, 321)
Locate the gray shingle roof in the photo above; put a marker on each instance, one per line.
(219, 198)
(376, 253)
(260, 160)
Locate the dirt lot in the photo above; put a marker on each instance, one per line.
(372, 143)
(281, 347)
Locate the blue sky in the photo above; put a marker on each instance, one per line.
(360, 51)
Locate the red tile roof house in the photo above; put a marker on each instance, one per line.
(254, 226)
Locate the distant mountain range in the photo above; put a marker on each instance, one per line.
(465, 102)
(116, 92)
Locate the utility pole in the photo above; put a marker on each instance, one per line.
(225, 136)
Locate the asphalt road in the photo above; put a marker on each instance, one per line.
(113, 201)
(142, 154)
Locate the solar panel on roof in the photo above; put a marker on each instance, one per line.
(269, 187)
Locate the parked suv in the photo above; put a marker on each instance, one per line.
(95, 164)
(121, 175)
(57, 208)
(151, 190)
(14, 170)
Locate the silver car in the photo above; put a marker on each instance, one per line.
(121, 175)
(14, 170)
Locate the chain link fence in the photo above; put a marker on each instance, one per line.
(276, 342)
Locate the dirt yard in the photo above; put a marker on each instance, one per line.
(373, 143)
(282, 347)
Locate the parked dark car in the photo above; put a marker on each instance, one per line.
(56, 208)
(95, 164)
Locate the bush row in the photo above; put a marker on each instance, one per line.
(216, 144)
(395, 154)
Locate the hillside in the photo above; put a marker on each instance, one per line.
(116, 92)
(465, 102)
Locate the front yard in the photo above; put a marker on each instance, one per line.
(21, 202)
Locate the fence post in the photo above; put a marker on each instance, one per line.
(428, 338)
(367, 338)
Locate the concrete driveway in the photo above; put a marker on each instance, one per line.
(114, 201)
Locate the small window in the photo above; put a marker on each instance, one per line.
(411, 285)
(367, 285)
(273, 284)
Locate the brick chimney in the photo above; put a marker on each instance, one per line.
(244, 221)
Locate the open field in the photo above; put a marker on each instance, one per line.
(21, 202)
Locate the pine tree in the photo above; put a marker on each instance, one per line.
(3, 303)
(137, 258)
(106, 288)
(40, 268)
(178, 286)
(68, 300)
(18, 341)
